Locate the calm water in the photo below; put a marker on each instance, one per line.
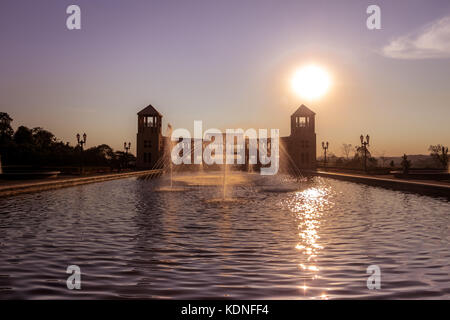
(270, 242)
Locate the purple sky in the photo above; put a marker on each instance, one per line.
(228, 63)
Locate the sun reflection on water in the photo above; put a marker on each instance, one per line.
(308, 207)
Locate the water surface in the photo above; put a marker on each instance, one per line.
(313, 241)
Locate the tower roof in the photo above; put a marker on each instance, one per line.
(303, 111)
(149, 111)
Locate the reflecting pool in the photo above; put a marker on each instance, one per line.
(264, 238)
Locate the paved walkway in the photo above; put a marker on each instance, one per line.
(438, 188)
(9, 188)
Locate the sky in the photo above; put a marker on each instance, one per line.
(229, 64)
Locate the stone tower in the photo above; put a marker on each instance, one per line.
(302, 141)
(149, 138)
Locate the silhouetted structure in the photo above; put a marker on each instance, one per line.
(364, 145)
(300, 146)
(325, 147)
(149, 138)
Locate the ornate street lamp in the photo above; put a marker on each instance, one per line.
(81, 143)
(364, 145)
(325, 148)
(127, 148)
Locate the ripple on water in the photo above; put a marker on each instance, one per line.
(311, 241)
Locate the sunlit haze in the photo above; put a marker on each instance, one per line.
(229, 64)
(311, 82)
(217, 150)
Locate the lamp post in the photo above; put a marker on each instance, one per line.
(364, 145)
(127, 148)
(81, 143)
(325, 148)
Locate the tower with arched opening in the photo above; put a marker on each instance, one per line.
(149, 138)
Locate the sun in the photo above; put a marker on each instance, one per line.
(311, 82)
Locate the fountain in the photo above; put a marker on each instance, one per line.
(229, 183)
(279, 183)
(166, 162)
(224, 182)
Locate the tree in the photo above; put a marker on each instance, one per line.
(364, 157)
(392, 164)
(38, 147)
(440, 154)
(23, 136)
(361, 152)
(346, 149)
(42, 138)
(101, 155)
(6, 131)
(406, 164)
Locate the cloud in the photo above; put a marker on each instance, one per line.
(430, 42)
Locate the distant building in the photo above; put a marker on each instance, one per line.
(300, 146)
(149, 138)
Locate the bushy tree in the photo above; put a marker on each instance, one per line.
(23, 136)
(440, 154)
(42, 138)
(101, 155)
(6, 131)
(39, 147)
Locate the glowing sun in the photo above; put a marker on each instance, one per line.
(311, 82)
